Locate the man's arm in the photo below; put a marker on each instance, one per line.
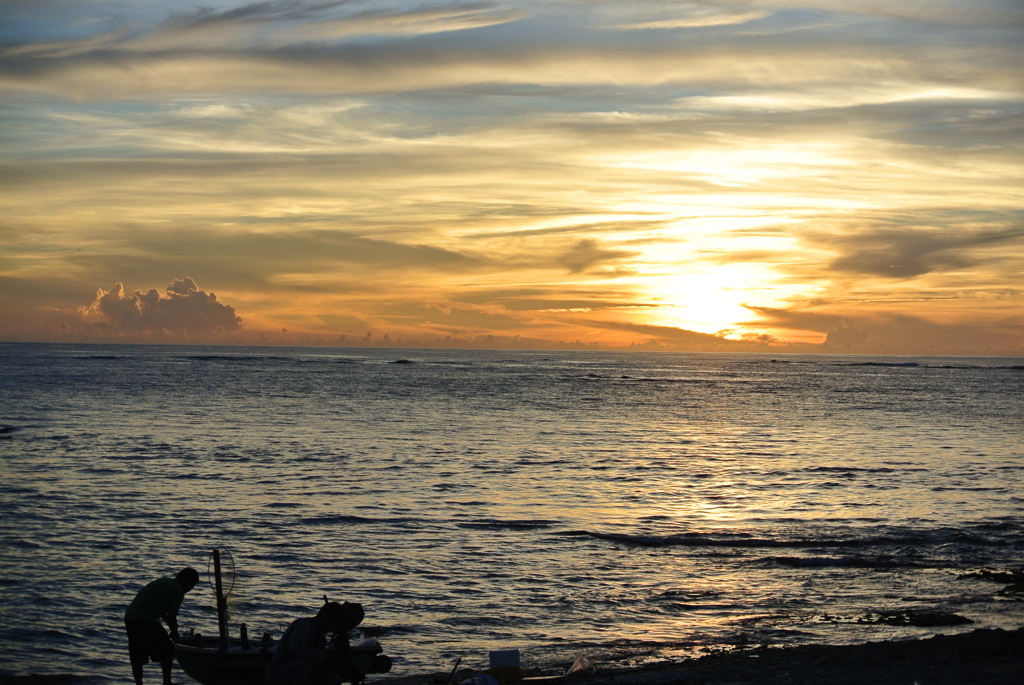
(171, 618)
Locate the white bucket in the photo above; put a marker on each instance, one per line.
(504, 657)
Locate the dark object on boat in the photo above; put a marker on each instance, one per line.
(237, 666)
(454, 668)
(212, 666)
(235, 661)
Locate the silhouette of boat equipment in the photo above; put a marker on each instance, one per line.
(235, 661)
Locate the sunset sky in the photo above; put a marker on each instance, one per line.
(781, 176)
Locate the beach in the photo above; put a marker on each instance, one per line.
(994, 657)
(990, 656)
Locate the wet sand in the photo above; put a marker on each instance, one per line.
(992, 657)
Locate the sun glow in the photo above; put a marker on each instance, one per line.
(711, 301)
(707, 270)
(740, 166)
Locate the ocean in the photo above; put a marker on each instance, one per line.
(622, 506)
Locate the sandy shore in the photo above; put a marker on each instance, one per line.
(992, 657)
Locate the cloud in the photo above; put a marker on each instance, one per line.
(418, 22)
(669, 334)
(954, 12)
(286, 258)
(183, 310)
(891, 332)
(698, 19)
(272, 25)
(340, 165)
(909, 253)
(259, 12)
(588, 253)
(350, 47)
(846, 334)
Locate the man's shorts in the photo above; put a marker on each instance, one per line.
(148, 640)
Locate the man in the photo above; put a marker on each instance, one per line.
(147, 639)
(301, 656)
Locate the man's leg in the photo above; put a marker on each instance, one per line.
(138, 653)
(166, 666)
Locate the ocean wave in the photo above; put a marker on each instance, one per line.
(379, 631)
(54, 679)
(36, 636)
(854, 469)
(328, 519)
(896, 364)
(242, 358)
(956, 367)
(746, 540)
(843, 562)
(515, 524)
(59, 634)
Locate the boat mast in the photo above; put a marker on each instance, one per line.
(222, 602)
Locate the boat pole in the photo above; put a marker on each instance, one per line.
(222, 603)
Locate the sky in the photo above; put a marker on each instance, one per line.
(831, 176)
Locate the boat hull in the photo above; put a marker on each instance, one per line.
(209, 665)
(205, 663)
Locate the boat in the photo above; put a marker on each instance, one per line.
(229, 660)
(210, 665)
(240, 665)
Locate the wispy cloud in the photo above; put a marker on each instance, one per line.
(702, 18)
(907, 253)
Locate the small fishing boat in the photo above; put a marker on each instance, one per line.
(247, 665)
(210, 665)
(235, 661)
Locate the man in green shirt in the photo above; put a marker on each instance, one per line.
(147, 639)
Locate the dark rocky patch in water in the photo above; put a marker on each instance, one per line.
(1014, 577)
(996, 575)
(922, 619)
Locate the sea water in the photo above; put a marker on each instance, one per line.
(620, 506)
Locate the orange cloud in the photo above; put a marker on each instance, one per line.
(183, 310)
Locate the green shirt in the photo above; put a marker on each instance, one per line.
(161, 597)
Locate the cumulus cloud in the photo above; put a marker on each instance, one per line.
(846, 334)
(183, 309)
